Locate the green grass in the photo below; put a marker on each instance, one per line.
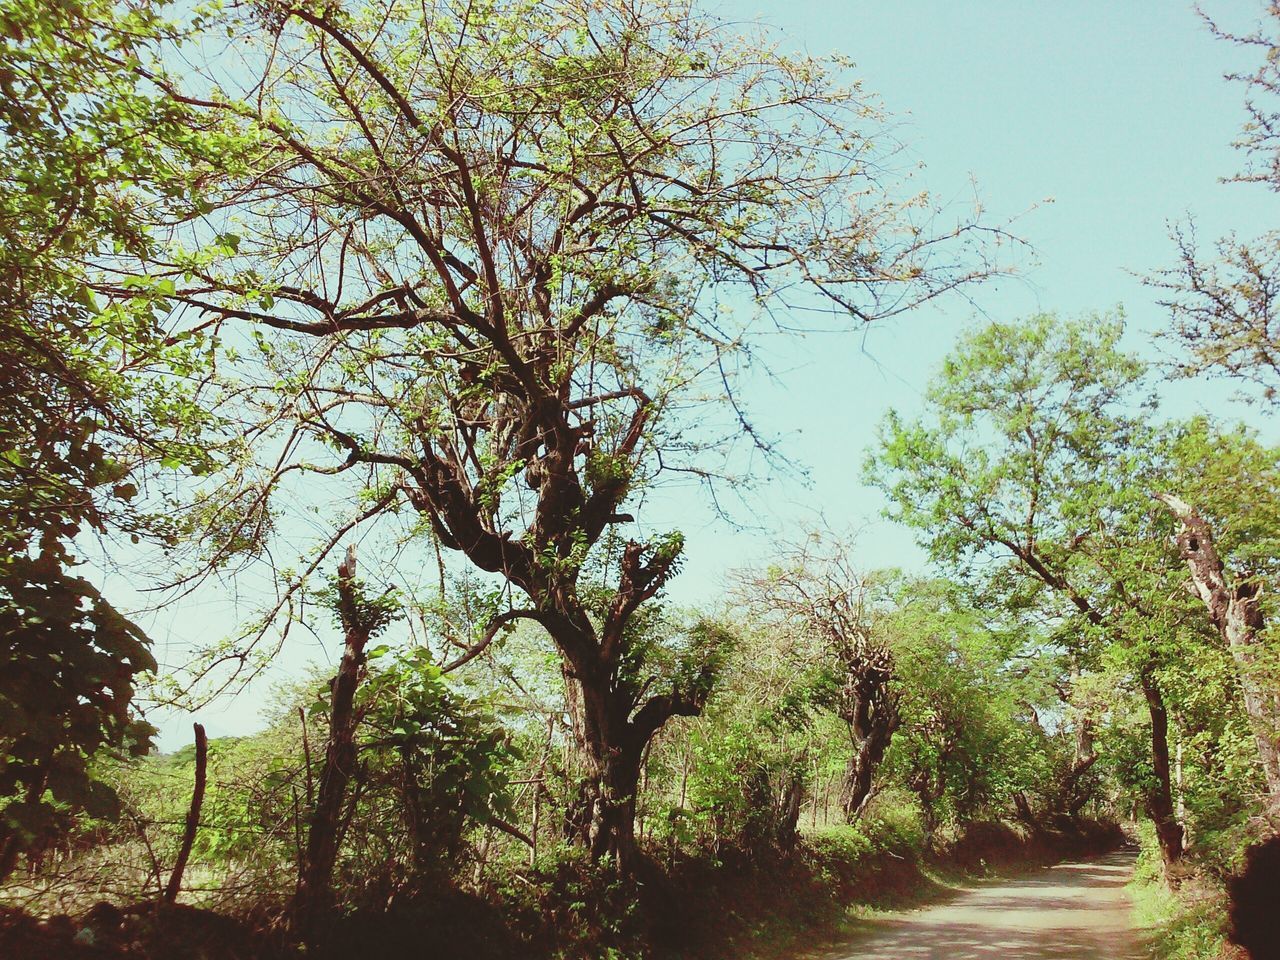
(1187, 924)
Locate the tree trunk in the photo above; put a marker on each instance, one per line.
(1235, 613)
(193, 816)
(314, 892)
(1073, 796)
(855, 788)
(609, 795)
(789, 811)
(602, 815)
(928, 822)
(1159, 797)
(613, 826)
(1022, 807)
(929, 788)
(612, 740)
(615, 755)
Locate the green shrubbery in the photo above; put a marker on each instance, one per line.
(1190, 925)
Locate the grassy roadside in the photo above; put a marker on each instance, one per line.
(792, 934)
(1187, 924)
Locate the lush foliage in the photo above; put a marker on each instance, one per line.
(92, 394)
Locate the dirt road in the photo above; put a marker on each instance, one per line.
(1074, 911)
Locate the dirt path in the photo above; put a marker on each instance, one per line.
(1074, 911)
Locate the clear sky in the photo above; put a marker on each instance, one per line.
(1107, 121)
(1115, 111)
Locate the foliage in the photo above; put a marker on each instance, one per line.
(969, 739)
(432, 762)
(1033, 475)
(1030, 424)
(77, 171)
(69, 661)
(472, 257)
(477, 279)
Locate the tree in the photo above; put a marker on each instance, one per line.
(1235, 613)
(967, 743)
(361, 618)
(83, 407)
(813, 593)
(474, 259)
(1229, 547)
(1031, 455)
(739, 773)
(1223, 307)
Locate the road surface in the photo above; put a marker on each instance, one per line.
(1073, 911)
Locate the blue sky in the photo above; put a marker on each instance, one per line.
(1108, 122)
(1117, 112)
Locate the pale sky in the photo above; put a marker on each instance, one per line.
(1116, 112)
(1108, 121)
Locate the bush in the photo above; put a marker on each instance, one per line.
(892, 821)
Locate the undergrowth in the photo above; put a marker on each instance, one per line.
(1189, 923)
(568, 908)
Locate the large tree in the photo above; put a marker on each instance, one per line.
(492, 264)
(1222, 485)
(1030, 455)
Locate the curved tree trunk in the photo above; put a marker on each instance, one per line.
(1236, 615)
(1022, 808)
(872, 740)
(1159, 798)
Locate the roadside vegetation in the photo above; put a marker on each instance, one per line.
(391, 320)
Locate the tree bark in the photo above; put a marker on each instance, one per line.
(1236, 615)
(1159, 796)
(613, 740)
(789, 811)
(193, 816)
(872, 731)
(612, 756)
(314, 891)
